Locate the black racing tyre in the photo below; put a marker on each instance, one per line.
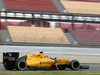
(61, 67)
(21, 65)
(74, 65)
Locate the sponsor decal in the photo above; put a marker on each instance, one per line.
(40, 63)
(33, 55)
(66, 62)
(5, 57)
(46, 62)
(12, 58)
(59, 61)
(9, 58)
(39, 55)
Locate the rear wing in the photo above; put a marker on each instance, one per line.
(10, 56)
(9, 59)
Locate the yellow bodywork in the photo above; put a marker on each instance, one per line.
(37, 60)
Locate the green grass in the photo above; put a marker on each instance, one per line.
(92, 63)
(50, 73)
(0, 62)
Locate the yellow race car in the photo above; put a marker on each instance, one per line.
(38, 61)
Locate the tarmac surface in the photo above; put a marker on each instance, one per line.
(91, 68)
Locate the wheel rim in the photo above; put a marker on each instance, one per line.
(22, 65)
(75, 65)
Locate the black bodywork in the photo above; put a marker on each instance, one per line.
(10, 60)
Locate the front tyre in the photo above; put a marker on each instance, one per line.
(74, 65)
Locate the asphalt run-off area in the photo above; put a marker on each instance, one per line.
(91, 68)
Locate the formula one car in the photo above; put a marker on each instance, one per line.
(38, 61)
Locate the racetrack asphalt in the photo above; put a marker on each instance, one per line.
(91, 68)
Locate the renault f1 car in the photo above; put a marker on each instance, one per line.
(38, 60)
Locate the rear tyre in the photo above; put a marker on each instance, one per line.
(74, 65)
(21, 65)
(62, 67)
